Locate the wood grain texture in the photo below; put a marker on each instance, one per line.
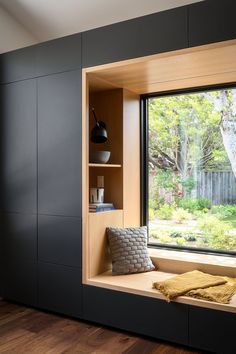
(193, 67)
(28, 331)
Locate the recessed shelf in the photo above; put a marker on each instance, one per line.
(103, 165)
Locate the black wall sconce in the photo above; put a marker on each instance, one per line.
(98, 133)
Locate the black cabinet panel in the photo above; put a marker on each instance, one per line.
(140, 314)
(59, 144)
(18, 156)
(60, 289)
(212, 330)
(59, 240)
(19, 237)
(160, 32)
(20, 281)
(211, 21)
(58, 55)
(17, 65)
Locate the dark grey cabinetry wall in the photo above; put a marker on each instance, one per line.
(59, 144)
(211, 21)
(40, 176)
(156, 33)
(40, 173)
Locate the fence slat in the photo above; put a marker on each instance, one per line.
(217, 186)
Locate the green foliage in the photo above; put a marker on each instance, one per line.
(151, 214)
(190, 238)
(203, 203)
(223, 211)
(217, 233)
(180, 215)
(175, 234)
(165, 239)
(166, 179)
(180, 241)
(192, 204)
(165, 212)
(188, 184)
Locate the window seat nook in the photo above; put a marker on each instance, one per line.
(141, 284)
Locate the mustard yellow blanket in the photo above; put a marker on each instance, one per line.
(198, 285)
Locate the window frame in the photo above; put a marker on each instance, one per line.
(144, 169)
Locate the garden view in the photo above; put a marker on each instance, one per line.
(192, 170)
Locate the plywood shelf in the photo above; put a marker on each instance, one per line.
(104, 165)
(105, 212)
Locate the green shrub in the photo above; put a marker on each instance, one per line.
(189, 204)
(190, 238)
(165, 239)
(203, 203)
(180, 241)
(179, 215)
(216, 233)
(193, 204)
(223, 211)
(175, 234)
(151, 214)
(165, 212)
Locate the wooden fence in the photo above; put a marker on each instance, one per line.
(218, 186)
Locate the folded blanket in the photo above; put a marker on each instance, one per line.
(183, 283)
(220, 293)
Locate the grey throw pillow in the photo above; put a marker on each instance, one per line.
(129, 251)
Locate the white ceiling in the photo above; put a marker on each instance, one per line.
(48, 19)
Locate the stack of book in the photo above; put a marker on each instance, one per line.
(98, 207)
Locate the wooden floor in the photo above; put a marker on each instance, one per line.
(28, 331)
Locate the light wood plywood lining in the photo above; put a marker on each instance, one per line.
(141, 284)
(202, 66)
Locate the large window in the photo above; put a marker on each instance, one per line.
(189, 187)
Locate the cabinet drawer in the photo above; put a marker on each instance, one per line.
(212, 330)
(60, 289)
(144, 315)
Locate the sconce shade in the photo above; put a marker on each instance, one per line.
(99, 133)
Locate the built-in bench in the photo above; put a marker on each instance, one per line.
(167, 261)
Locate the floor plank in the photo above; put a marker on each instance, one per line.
(29, 331)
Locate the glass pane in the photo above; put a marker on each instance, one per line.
(192, 169)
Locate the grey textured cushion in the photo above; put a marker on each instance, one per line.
(129, 251)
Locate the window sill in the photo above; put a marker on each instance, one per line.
(180, 262)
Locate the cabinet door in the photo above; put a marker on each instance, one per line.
(212, 330)
(19, 237)
(17, 65)
(59, 55)
(59, 240)
(60, 289)
(20, 281)
(59, 144)
(18, 155)
(211, 21)
(144, 315)
(156, 33)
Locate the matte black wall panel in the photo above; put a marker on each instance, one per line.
(59, 144)
(59, 55)
(17, 65)
(140, 314)
(156, 33)
(60, 289)
(212, 330)
(19, 237)
(18, 155)
(59, 240)
(211, 21)
(20, 281)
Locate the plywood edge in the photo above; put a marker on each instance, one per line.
(117, 64)
(127, 284)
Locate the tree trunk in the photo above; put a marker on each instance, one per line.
(228, 132)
